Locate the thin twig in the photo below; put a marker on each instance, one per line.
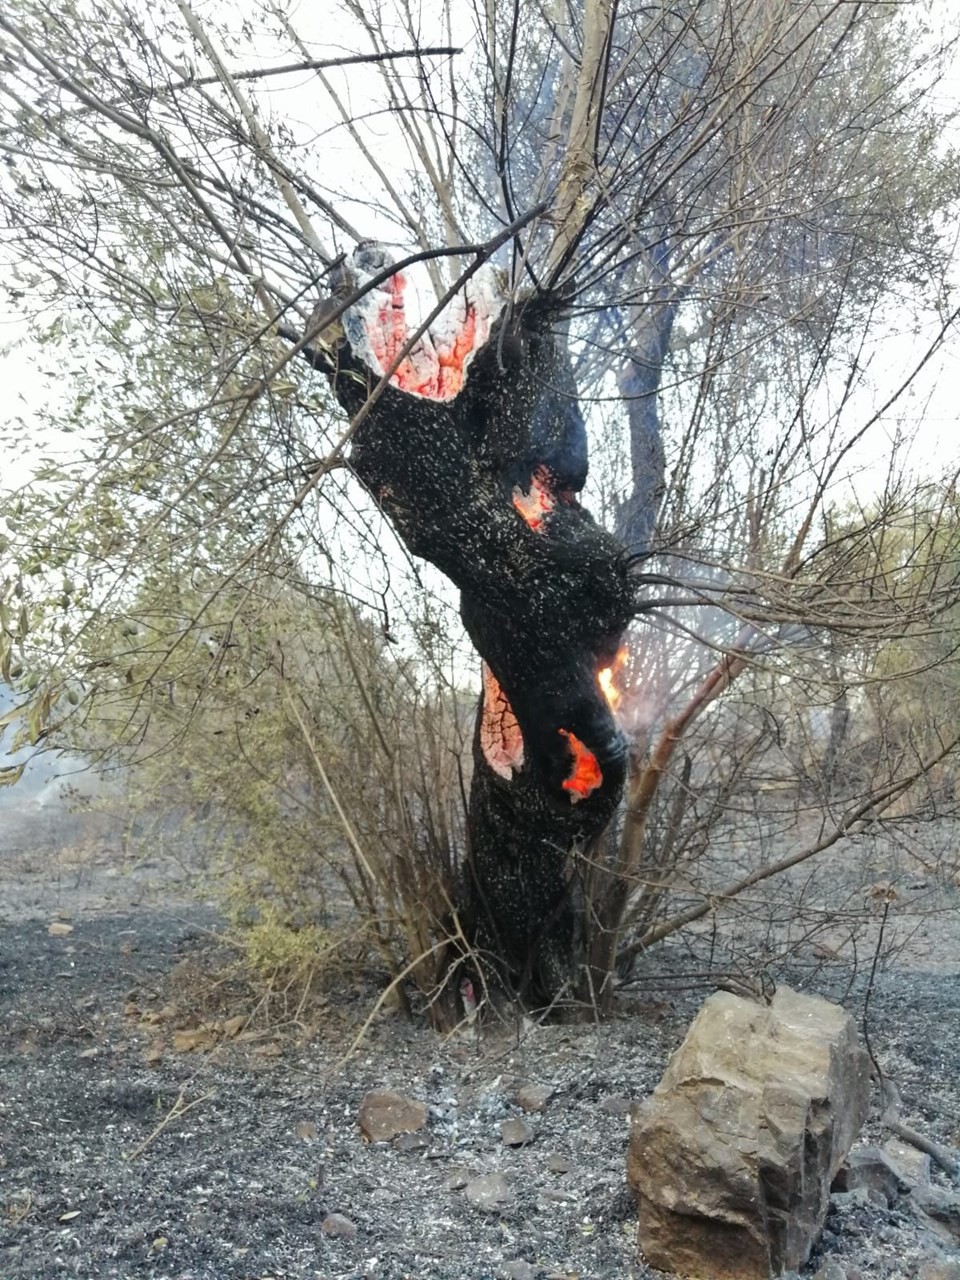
(322, 64)
(175, 1113)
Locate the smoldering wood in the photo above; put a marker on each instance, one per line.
(546, 608)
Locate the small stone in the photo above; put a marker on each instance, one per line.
(411, 1142)
(559, 1164)
(200, 1224)
(940, 1270)
(859, 1195)
(335, 1224)
(192, 1039)
(306, 1129)
(872, 1168)
(59, 929)
(615, 1105)
(942, 1206)
(491, 1192)
(913, 1165)
(831, 1271)
(533, 1097)
(456, 1179)
(558, 1197)
(517, 1270)
(516, 1133)
(384, 1114)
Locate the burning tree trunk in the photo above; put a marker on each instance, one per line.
(476, 451)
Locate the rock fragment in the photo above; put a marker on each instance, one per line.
(872, 1168)
(831, 1271)
(384, 1114)
(616, 1105)
(339, 1226)
(516, 1133)
(943, 1207)
(491, 1192)
(913, 1165)
(732, 1157)
(456, 1179)
(533, 1097)
(940, 1271)
(516, 1270)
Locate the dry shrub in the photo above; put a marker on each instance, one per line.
(314, 777)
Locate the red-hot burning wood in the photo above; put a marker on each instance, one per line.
(538, 501)
(585, 775)
(378, 326)
(500, 738)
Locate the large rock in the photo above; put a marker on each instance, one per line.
(732, 1157)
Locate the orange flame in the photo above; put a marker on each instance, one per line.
(585, 775)
(537, 503)
(607, 679)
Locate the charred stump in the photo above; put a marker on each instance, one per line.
(476, 452)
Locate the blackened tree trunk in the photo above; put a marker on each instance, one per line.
(484, 484)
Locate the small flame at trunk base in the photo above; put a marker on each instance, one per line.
(585, 775)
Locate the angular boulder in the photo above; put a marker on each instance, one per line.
(732, 1156)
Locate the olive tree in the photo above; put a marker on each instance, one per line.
(675, 232)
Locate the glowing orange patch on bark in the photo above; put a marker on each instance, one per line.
(451, 361)
(585, 775)
(389, 333)
(500, 738)
(434, 372)
(537, 503)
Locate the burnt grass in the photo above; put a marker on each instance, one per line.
(125, 1152)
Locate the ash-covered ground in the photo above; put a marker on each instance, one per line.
(136, 1142)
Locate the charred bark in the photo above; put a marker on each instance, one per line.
(484, 485)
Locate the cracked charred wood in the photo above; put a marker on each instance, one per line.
(476, 451)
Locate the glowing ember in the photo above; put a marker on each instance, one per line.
(379, 326)
(607, 679)
(500, 738)
(585, 775)
(537, 503)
